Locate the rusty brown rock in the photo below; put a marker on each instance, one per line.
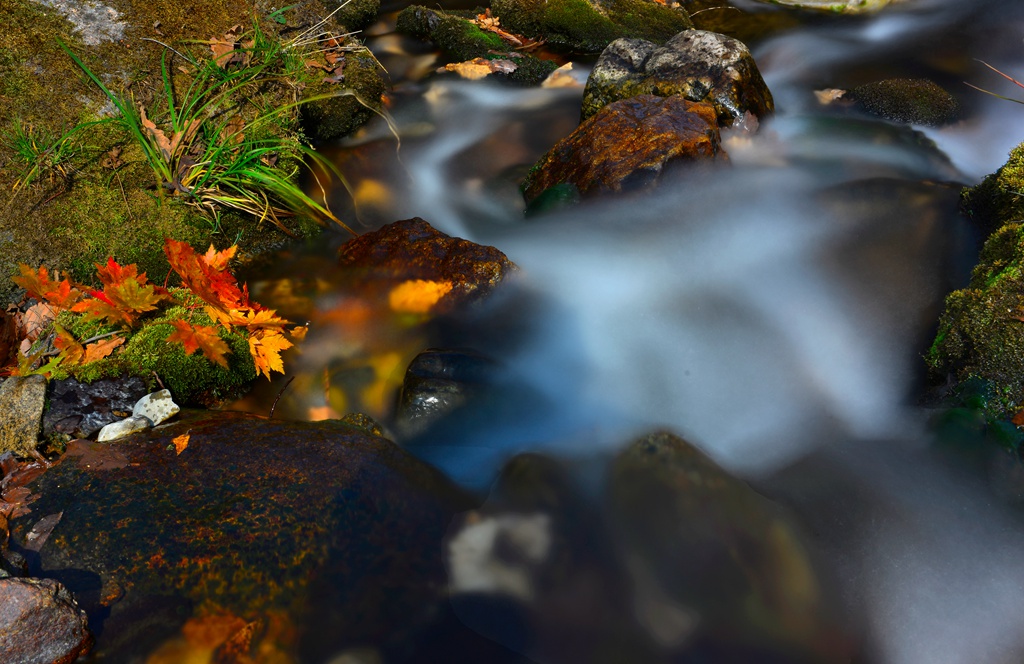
(627, 146)
(40, 623)
(412, 249)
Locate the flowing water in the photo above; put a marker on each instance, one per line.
(773, 312)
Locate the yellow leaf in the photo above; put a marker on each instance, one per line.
(417, 296)
(478, 68)
(180, 443)
(266, 347)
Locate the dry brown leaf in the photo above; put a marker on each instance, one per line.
(233, 130)
(35, 320)
(157, 134)
(561, 78)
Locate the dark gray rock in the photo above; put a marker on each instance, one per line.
(21, 413)
(40, 623)
(907, 101)
(439, 382)
(79, 410)
(699, 65)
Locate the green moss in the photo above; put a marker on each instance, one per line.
(999, 198)
(588, 27)
(981, 334)
(329, 119)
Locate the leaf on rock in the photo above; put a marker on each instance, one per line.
(561, 78)
(200, 337)
(180, 443)
(478, 68)
(266, 347)
(417, 296)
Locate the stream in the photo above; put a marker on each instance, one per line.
(774, 312)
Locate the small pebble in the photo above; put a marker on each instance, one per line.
(157, 407)
(123, 428)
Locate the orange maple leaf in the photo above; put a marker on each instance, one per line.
(200, 337)
(125, 294)
(266, 347)
(71, 352)
(417, 296)
(180, 443)
(207, 275)
(101, 349)
(40, 286)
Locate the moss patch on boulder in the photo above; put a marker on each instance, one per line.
(999, 198)
(907, 100)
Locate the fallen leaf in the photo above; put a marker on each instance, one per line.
(266, 347)
(112, 159)
(156, 133)
(35, 320)
(200, 337)
(829, 96)
(180, 443)
(417, 296)
(561, 78)
(101, 349)
(232, 133)
(37, 536)
(480, 67)
(71, 352)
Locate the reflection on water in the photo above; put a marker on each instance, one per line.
(774, 311)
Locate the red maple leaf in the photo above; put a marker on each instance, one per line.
(207, 275)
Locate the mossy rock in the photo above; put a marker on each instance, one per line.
(907, 100)
(981, 332)
(192, 379)
(462, 40)
(354, 14)
(588, 26)
(999, 198)
(357, 100)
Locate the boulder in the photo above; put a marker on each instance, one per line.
(836, 6)
(698, 65)
(332, 532)
(628, 145)
(590, 25)
(22, 399)
(413, 252)
(996, 200)
(40, 623)
(907, 101)
(438, 382)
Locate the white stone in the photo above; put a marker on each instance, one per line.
(157, 407)
(123, 428)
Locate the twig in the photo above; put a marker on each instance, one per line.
(274, 405)
(180, 54)
(125, 197)
(158, 381)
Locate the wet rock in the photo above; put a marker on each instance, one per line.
(157, 407)
(628, 145)
(333, 531)
(907, 100)
(462, 40)
(122, 428)
(590, 25)
(438, 382)
(715, 562)
(335, 113)
(699, 65)
(21, 414)
(837, 6)
(996, 200)
(40, 623)
(355, 15)
(79, 410)
(534, 569)
(413, 250)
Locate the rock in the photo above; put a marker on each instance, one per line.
(122, 428)
(836, 6)
(997, 200)
(79, 410)
(334, 533)
(345, 110)
(907, 100)
(355, 15)
(40, 623)
(628, 145)
(438, 382)
(462, 40)
(21, 414)
(699, 65)
(412, 250)
(590, 25)
(157, 407)
(713, 560)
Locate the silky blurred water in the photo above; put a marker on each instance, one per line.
(774, 312)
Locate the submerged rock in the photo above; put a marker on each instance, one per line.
(40, 623)
(698, 65)
(628, 145)
(714, 561)
(438, 382)
(411, 251)
(22, 399)
(590, 25)
(907, 100)
(836, 6)
(325, 527)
